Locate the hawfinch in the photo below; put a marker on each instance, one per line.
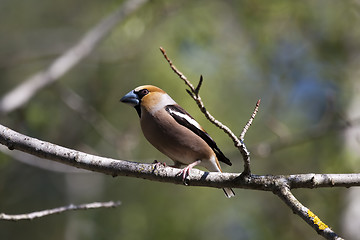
(170, 129)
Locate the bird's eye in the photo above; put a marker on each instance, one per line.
(143, 92)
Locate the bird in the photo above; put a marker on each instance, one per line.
(174, 132)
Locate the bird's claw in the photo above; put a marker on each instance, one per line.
(185, 173)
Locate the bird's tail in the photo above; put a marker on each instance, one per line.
(229, 192)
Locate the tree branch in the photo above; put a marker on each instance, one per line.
(71, 207)
(279, 184)
(314, 221)
(25, 91)
(41, 163)
(155, 172)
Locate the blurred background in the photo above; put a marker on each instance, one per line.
(300, 57)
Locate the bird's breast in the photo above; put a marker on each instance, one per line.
(172, 139)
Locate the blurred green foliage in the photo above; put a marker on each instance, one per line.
(291, 54)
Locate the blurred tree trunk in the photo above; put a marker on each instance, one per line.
(351, 215)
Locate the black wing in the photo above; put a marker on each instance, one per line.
(185, 119)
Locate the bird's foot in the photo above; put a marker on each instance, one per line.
(185, 172)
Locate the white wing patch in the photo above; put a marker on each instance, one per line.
(186, 117)
(183, 118)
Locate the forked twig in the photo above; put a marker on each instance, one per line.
(194, 93)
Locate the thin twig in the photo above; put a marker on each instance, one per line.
(248, 124)
(25, 91)
(194, 93)
(71, 207)
(197, 89)
(182, 76)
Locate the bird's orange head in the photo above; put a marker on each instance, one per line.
(149, 97)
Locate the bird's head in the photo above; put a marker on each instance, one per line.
(149, 97)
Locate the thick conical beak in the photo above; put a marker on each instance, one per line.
(130, 98)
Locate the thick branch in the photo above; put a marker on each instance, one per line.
(14, 140)
(71, 207)
(25, 91)
(40, 162)
(312, 180)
